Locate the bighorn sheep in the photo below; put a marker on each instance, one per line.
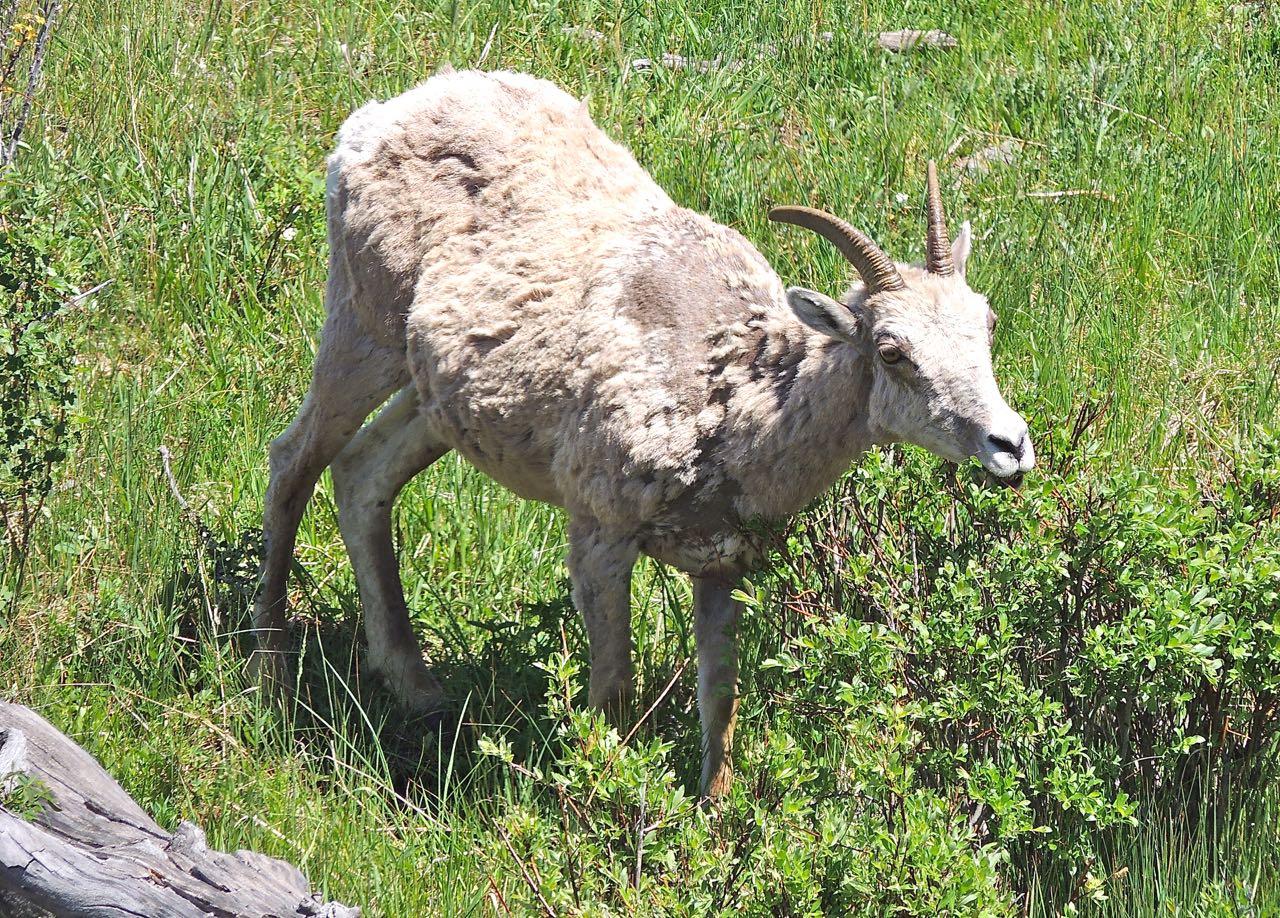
(534, 301)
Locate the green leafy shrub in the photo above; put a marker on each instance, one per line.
(37, 263)
(1056, 653)
(962, 688)
(25, 796)
(856, 834)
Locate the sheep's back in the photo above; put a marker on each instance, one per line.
(470, 169)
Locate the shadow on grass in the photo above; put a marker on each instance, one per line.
(493, 688)
(344, 717)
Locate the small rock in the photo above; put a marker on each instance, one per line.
(908, 39)
(595, 36)
(1002, 153)
(680, 62)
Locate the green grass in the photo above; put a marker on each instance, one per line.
(183, 138)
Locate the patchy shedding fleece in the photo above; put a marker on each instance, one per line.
(578, 336)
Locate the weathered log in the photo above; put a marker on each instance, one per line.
(92, 852)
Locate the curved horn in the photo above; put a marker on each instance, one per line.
(877, 269)
(938, 257)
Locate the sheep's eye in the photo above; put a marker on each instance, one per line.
(991, 325)
(890, 353)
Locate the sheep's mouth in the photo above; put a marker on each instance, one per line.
(1013, 482)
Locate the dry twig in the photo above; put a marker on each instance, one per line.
(1072, 193)
(49, 14)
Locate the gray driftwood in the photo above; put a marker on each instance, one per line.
(91, 852)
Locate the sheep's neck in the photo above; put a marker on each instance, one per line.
(820, 391)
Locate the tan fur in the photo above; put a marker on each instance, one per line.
(580, 338)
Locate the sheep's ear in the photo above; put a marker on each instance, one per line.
(823, 314)
(961, 248)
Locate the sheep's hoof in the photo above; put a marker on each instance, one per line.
(419, 692)
(271, 672)
(433, 721)
(716, 787)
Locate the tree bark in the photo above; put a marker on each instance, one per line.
(92, 852)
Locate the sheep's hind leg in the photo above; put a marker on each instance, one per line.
(600, 566)
(351, 376)
(384, 456)
(716, 626)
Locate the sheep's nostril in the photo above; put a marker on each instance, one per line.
(1006, 446)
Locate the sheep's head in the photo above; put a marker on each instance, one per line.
(928, 338)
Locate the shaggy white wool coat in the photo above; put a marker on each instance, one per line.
(547, 311)
(575, 334)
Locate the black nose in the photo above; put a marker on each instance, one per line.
(1007, 446)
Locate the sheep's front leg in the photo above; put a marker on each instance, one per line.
(716, 626)
(600, 563)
